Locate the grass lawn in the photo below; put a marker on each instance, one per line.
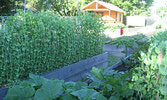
(112, 60)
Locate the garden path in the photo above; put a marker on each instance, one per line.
(116, 52)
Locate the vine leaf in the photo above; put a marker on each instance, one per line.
(81, 94)
(50, 90)
(163, 70)
(163, 89)
(20, 93)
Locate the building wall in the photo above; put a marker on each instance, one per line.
(118, 17)
(93, 6)
(114, 14)
(101, 6)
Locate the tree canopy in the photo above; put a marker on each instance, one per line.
(133, 7)
(69, 7)
(162, 12)
(8, 7)
(63, 7)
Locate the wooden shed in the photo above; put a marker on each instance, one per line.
(109, 12)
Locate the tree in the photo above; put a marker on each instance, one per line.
(69, 7)
(6, 7)
(162, 12)
(63, 7)
(133, 7)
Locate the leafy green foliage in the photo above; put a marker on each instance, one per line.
(137, 43)
(134, 7)
(81, 94)
(159, 26)
(139, 83)
(144, 80)
(112, 60)
(147, 76)
(62, 7)
(114, 26)
(9, 7)
(131, 7)
(19, 92)
(111, 85)
(50, 89)
(69, 7)
(41, 42)
(161, 11)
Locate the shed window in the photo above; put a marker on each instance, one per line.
(100, 13)
(120, 18)
(116, 16)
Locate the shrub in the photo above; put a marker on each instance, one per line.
(159, 26)
(114, 26)
(136, 43)
(105, 85)
(41, 42)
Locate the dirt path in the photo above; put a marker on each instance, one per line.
(114, 51)
(148, 31)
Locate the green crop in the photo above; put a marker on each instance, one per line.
(41, 42)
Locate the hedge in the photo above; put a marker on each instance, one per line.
(41, 42)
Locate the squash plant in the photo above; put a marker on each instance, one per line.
(105, 85)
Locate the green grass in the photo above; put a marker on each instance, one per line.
(112, 60)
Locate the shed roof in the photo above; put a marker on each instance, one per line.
(107, 5)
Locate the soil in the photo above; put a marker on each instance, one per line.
(127, 65)
(121, 68)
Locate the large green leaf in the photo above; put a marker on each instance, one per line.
(37, 81)
(163, 89)
(163, 70)
(87, 98)
(100, 97)
(95, 84)
(69, 86)
(114, 98)
(68, 97)
(25, 84)
(127, 92)
(98, 73)
(109, 87)
(164, 80)
(81, 94)
(80, 85)
(51, 89)
(19, 93)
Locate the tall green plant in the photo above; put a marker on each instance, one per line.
(41, 42)
(153, 71)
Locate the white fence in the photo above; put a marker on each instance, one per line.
(136, 21)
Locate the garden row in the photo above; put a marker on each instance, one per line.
(41, 42)
(144, 79)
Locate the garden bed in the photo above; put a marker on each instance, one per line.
(120, 65)
(86, 89)
(74, 72)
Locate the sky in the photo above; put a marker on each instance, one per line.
(158, 3)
